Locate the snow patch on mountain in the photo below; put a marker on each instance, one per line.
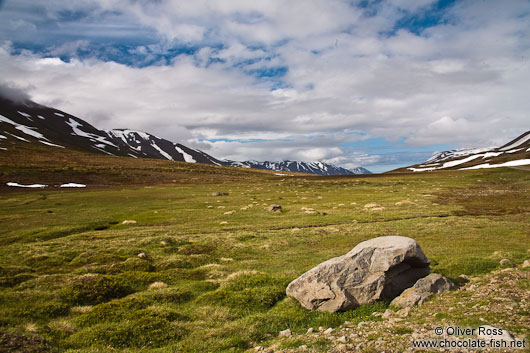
(51, 144)
(187, 157)
(93, 137)
(515, 163)
(26, 115)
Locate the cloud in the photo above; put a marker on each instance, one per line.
(12, 92)
(296, 82)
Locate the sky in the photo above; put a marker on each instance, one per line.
(375, 83)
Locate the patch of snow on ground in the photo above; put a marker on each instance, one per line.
(73, 185)
(421, 169)
(162, 152)
(39, 186)
(187, 157)
(59, 114)
(3, 137)
(132, 155)
(515, 163)
(3, 149)
(517, 143)
(101, 145)
(41, 117)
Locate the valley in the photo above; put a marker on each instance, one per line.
(201, 265)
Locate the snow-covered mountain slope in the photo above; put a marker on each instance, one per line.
(155, 147)
(514, 153)
(28, 122)
(318, 168)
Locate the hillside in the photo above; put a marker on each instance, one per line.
(513, 154)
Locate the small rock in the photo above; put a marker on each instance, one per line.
(275, 208)
(423, 289)
(142, 256)
(223, 222)
(463, 277)
(309, 331)
(404, 312)
(394, 320)
(388, 313)
(526, 263)
(157, 285)
(220, 194)
(506, 262)
(371, 205)
(285, 333)
(303, 347)
(404, 202)
(343, 339)
(129, 221)
(328, 331)
(229, 213)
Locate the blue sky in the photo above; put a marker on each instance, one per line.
(379, 84)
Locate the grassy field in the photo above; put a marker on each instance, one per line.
(216, 267)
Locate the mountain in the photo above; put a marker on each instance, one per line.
(28, 122)
(514, 153)
(317, 168)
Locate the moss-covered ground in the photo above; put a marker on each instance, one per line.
(213, 280)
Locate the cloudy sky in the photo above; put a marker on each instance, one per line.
(372, 83)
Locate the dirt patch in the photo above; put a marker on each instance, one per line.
(10, 342)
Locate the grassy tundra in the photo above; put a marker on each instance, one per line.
(215, 268)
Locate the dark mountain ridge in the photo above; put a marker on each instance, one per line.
(28, 122)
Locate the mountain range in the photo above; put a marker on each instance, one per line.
(28, 122)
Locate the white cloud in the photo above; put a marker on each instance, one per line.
(462, 83)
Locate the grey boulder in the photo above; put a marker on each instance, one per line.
(379, 268)
(422, 290)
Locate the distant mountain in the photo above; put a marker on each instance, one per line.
(514, 153)
(29, 122)
(318, 168)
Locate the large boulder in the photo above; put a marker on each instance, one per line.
(422, 290)
(379, 268)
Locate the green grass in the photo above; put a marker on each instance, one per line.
(70, 274)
